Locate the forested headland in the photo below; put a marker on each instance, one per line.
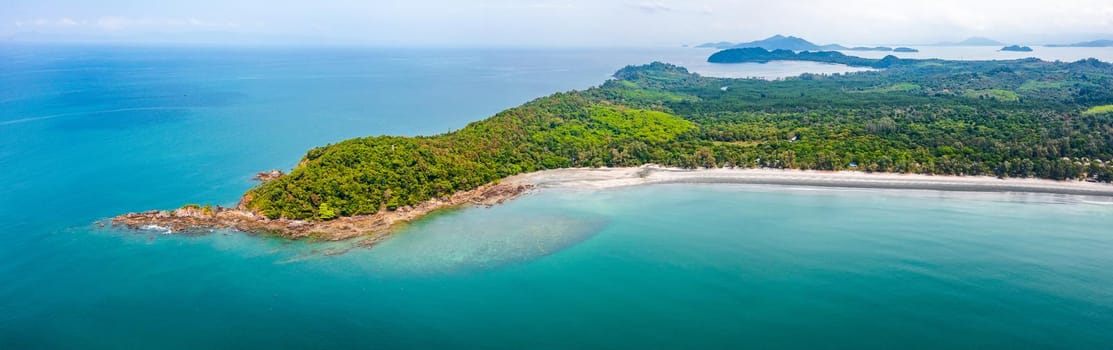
(1020, 118)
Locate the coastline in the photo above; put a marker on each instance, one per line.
(379, 226)
(376, 227)
(602, 178)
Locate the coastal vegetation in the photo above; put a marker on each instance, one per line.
(1019, 118)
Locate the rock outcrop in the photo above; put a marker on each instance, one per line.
(193, 218)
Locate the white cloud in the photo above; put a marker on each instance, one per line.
(118, 23)
(653, 7)
(578, 22)
(45, 22)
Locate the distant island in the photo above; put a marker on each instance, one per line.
(1095, 43)
(781, 42)
(759, 55)
(973, 41)
(1017, 48)
(776, 42)
(1009, 119)
(716, 45)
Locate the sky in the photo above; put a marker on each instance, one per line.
(539, 23)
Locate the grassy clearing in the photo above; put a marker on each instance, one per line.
(898, 87)
(1099, 110)
(996, 94)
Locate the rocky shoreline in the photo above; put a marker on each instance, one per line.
(377, 226)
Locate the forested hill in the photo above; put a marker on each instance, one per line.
(760, 55)
(1023, 118)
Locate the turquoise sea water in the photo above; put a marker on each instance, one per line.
(89, 132)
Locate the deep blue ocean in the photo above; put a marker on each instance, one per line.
(88, 132)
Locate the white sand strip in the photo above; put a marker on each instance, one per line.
(600, 178)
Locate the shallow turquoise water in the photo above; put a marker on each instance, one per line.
(89, 132)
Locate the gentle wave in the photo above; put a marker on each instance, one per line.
(63, 115)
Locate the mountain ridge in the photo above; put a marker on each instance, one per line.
(794, 43)
(1092, 43)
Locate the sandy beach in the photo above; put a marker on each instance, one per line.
(379, 225)
(601, 178)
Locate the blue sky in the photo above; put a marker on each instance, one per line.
(552, 22)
